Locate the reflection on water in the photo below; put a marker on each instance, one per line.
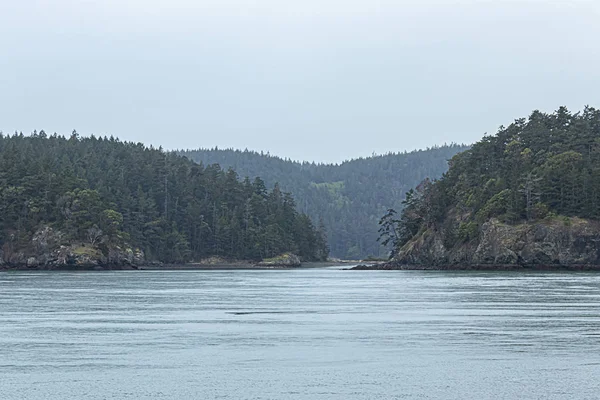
(299, 334)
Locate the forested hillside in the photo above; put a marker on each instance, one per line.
(104, 194)
(348, 198)
(530, 193)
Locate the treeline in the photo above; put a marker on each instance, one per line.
(350, 197)
(545, 166)
(106, 192)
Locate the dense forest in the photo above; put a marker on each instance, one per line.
(541, 168)
(348, 198)
(106, 193)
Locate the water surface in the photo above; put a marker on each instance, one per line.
(299, 334)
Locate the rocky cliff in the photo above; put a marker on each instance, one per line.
(558, 241)
(49, 249)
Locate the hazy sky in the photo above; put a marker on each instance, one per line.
(320, 80)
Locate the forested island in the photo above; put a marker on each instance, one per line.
(349, 198)
(527, 197)
(100, 202)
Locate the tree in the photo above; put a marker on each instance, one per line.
(389, 230)
(94, 234)
(531, 192)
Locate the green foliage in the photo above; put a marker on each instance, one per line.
(542, 167)
(280, 259)
(87, 251)
(467, 231)
(495, 206)
(540, 211)
(389, 230)
(349, 197)
(104, 192)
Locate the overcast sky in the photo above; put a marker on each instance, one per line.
(321, 80)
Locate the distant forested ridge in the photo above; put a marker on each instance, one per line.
(348, 198)
(529, 195)
(100, 194)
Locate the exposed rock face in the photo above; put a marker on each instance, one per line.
(49, 250)
(559, 242)
(45, 238)
(287, 260)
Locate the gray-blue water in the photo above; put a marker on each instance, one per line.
(299, 334)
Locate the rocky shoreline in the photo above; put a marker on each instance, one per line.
(50, 251)
(213, 263)
(551, 244)
(478, 267)
(22, 267)
(158, 267)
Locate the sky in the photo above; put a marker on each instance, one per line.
(314, 80)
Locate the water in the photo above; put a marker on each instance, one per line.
(299, 334)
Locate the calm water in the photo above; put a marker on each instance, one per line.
(299, 334)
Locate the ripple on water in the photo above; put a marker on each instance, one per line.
(300, 334)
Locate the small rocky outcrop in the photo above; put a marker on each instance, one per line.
(287, 260)
(558, 241)
(48, 249)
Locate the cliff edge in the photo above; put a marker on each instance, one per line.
(551, 242)
(48, 249)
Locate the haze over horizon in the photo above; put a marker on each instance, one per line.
(320, 81)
